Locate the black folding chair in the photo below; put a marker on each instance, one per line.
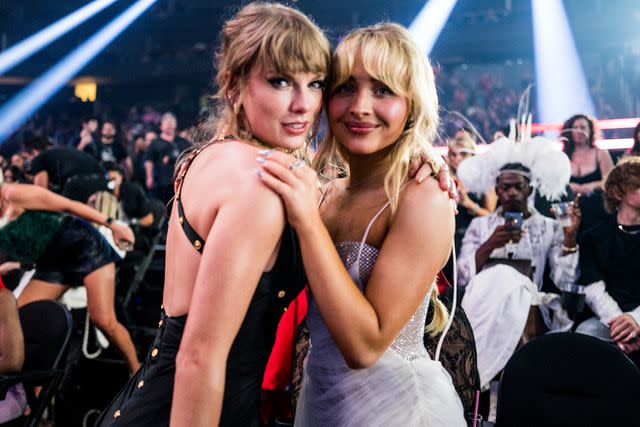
(46, 326)
(568, 379)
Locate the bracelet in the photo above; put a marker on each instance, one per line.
(570, 250)
(108, 222)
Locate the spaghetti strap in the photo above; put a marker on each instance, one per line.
(366, 232)
(196, 240)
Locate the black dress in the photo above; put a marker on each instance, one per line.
(592, 204)
(146, 399)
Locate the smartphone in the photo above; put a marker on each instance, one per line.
(513, 220)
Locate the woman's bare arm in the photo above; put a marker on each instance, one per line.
(33, 197)
(415, 249)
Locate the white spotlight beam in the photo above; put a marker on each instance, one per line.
(17, 110)
(428, 24)
(561, 84)
(32, 44)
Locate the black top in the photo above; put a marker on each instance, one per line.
(134, 201)
(163, 154)
(113, 152)
(62, 163)
(611, 255)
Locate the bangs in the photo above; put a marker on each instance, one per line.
(295, 50)
(382, 60)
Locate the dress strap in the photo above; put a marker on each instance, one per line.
(366, 232)
(196, 240)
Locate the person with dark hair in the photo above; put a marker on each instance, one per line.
(609, 262)
(635, 148)
(65, 171)
(133, 201)
(109, 147)
(589, 166)
(504, 254)
(86, 135)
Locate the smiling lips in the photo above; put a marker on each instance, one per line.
(360, 128)
(295, 128)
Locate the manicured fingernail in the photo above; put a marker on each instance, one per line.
(260, 159)
(265, 152)
(420, 179)
(259, 173)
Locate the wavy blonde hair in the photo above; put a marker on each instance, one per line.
(390, 55)
(268, 35)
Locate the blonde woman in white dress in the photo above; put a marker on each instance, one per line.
(373, 246)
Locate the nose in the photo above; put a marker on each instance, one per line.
(360, 103)
(302, 100)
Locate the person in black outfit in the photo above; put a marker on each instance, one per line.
(232, 263)
(133, 201)
(66, 171)
(609, 262)
(161, 157)
(137, 160)
(107, 148)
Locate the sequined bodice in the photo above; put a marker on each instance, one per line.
(408, 344)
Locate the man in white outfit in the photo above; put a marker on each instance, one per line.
(502, 261)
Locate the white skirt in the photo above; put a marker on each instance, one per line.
(392, 392)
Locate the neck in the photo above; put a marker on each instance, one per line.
(582, 147)
(628, 215)
(369, 170)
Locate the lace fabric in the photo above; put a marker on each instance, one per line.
(458, 355)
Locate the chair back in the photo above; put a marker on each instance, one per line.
(568, 379)
(46, 326)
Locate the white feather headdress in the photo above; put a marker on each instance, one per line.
(550, 167)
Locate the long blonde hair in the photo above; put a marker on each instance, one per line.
(390, 55)
(268, 35)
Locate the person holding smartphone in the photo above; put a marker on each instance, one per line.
(496, 248)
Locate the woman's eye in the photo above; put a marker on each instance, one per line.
(278, 82)
(318, 84)
(383, 90)
(344, 89)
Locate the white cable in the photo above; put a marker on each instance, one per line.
(85, 341)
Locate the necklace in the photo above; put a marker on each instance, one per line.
(626, 231)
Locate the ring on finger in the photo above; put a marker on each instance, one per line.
(295, 164)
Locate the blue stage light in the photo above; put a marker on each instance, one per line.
(18, 109)
(428, 24)
(562, 88)
(32, 44)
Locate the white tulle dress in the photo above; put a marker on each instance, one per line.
(405, 387)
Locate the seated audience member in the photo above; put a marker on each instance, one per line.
(609, 262)
(134, 204)
(11, 355)
(504, 254)
(66, 171)
(470, 205)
